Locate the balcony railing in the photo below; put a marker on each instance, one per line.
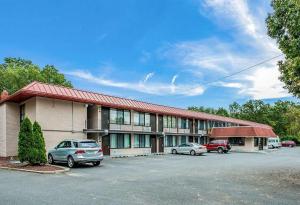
(129, 128)
(184, 131)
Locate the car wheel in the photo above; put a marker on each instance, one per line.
(226, 151)
(71, 162)
(208, 151)
(96, 163)
(220, 150)
(290, 145)
(50, 159)
(174, 151)
(193, 152)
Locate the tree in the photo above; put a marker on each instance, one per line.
(39, 144)
(283, 25)
(15, 73)
(25, 140)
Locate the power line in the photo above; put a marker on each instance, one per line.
(247, 68)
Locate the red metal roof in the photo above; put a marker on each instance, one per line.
(242, 131)
(63, 93)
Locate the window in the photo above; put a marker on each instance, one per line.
(183, 123)
(169, 122)
(87, 144)
(201, 125)
(173, 124)
(175, 141)
(147, 120)
(255, 142)
(126, 117)
(141, 119)
(141, 141)
(119, 141)
(113, 116)
(119, 116)
(169, 141)
(22, 112)
(240, 141)
(183, 139)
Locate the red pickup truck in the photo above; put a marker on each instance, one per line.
(221, 146)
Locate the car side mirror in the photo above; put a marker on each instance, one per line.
(55, 147)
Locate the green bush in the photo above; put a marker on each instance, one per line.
(39, 144)
(31, 146)
(25, 140)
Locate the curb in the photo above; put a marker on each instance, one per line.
(39, 172)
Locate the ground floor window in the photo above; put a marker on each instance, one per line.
(183, 139)
(197, 140)
(141, 141)
(171, 141)
(238, 141)
(120, 141)
(256, 141)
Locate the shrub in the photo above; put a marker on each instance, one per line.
(39, 144)
(25, 140)
(31, 145)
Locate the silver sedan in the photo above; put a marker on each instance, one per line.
(75, 152)
(189, 148)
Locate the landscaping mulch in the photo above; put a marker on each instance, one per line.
(6, 163)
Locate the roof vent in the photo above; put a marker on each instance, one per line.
(4, 95)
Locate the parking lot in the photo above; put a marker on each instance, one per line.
(234, 178)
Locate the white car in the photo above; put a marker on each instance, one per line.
(274, 142)
(189, 148)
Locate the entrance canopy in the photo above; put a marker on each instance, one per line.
(242, 131)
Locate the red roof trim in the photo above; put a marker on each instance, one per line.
(242, 131)
(63, 93)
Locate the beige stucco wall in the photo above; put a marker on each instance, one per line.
(9, 129)
(249, 146)
(52, 138)
(3, 130)
(12, 128)
(60, 120)
(60, 115)
(30, 108)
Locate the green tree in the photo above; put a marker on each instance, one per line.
(283, 25)
(25, 140)
(39, 144)
(15, 73)
(222, 111)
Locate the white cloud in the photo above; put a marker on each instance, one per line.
(144, 87)
(215, 57)
(148, 76)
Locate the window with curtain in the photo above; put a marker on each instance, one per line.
(119, 141)
(141, 119)
(119, 116)
(141, 141)
(183, 139)
(126, 117)
(169, 141)
(169, 122)
(113, 116)
(147, 119)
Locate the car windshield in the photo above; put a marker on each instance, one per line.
(88, 144)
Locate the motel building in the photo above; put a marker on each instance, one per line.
(123, 127)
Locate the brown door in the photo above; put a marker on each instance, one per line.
(106, 145)
(190, 138)
(153, 144)
(161, 144)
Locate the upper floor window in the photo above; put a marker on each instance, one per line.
(141, 119)
(202, 125)
(169, 121)
(183, 123)
(119, 116)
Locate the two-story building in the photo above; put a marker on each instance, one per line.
(122, 126)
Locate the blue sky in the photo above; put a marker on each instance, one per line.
(161, 51)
